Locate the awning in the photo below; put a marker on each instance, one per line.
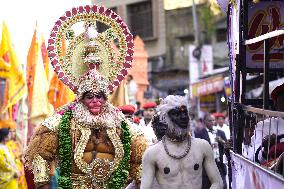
(216, 72)
(256, 93)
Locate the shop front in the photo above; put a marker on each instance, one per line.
(211, 94)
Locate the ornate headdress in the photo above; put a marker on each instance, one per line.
(90, 61)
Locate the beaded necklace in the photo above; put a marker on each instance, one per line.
(177, 156)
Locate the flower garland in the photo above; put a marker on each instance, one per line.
(65, 150)
(120, 175)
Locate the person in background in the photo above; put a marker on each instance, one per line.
(9, 173)
(138, 115)
(14, 146)
(132, 89)
(225, 112)
(149, 110)
(221, 125)
(128, 111)
(199, 125)
(138, 106)
(217, 140)
(273, 127)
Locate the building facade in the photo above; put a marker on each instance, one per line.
(167, 35)
(146, 19)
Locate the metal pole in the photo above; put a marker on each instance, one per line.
(196, 42)
(195, 24)
(266, 75)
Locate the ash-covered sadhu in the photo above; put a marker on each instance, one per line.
(89, 139)
(178, 160)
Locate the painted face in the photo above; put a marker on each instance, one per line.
(159, 127)
(94, 102)
(179, 116)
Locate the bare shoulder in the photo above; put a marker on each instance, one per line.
(201, 144)
(153, 150)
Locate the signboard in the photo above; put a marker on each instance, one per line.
(148, 95)
(264, 17)
(208, 86)
(202, 66)
(247, 175)
(208, 103)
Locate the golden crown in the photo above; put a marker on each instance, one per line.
(90, 49)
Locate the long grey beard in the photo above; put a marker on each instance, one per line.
(176, 133)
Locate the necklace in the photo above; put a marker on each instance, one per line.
(177, 156)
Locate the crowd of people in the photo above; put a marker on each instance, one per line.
(90, 143)
(146, 120)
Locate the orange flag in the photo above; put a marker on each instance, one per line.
(39, 106)
(44, 56)
(31, 62)
(11, 71)
(59, 94)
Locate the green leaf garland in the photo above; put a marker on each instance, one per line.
(120, 176)
(65, 152)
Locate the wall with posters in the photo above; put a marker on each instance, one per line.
(264, 17)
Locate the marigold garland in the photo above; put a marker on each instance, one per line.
(120, 176)
(65, 152)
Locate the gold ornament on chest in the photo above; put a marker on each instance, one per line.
(100, 168)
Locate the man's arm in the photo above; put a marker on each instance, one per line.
(211, 167)
(148, 170)
(138, 147)
(42, 150)
(223, 136)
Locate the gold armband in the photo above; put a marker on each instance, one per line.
(40, 170)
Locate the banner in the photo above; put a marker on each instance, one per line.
(200, 67)
(265, 17)
(247, 175)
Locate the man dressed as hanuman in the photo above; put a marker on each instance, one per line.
(88, 139)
